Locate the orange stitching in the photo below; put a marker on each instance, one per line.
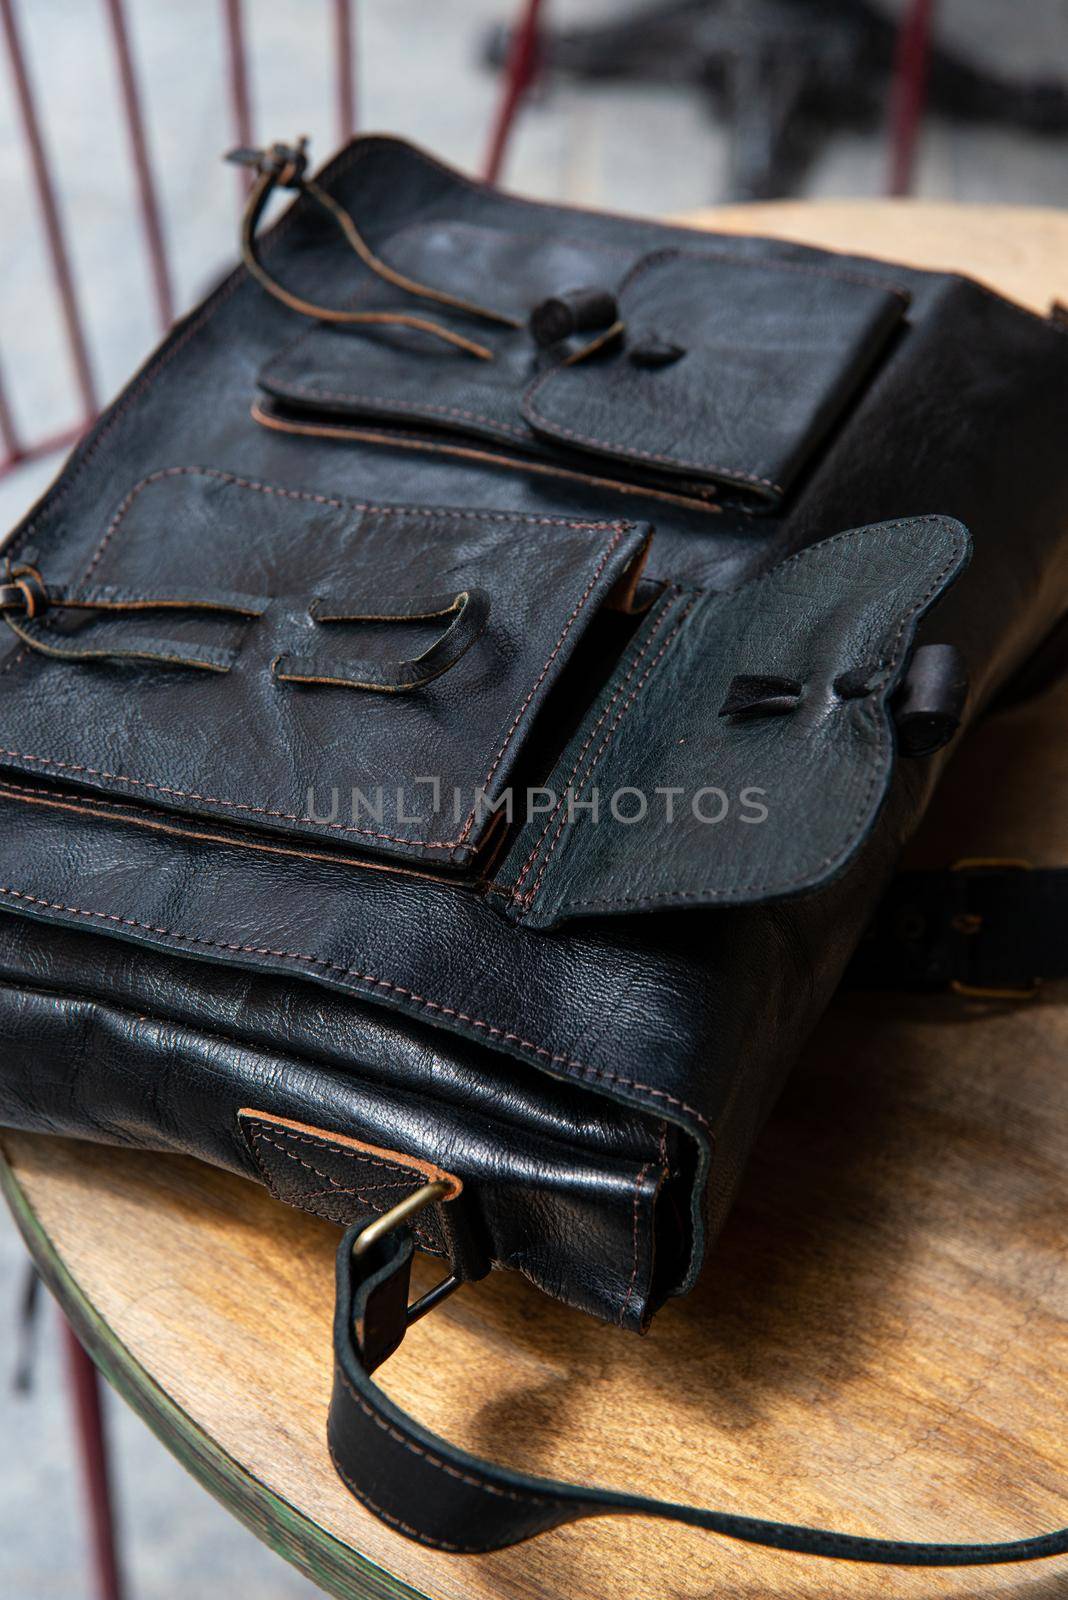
(639, 1180)
(408, 840)
(888, 663)
(433, 1460)
(585, 1069)
(635, 663)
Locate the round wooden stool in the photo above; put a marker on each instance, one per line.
(880, 1339)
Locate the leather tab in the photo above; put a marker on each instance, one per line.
(344, 1180)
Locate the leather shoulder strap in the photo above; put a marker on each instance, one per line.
(443, 1497)
(995, 929)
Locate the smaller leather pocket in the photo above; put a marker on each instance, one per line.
(745, 745)
(731, 370)
(376, 695)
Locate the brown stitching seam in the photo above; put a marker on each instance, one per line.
(417, 511)
(582, 1068)
(888, 663)
(395, 435)
(311, 497)
(262, 1128)
(395, 1522)
(639, 1180)
(609, 736)
(605, 558)
(335, 1186)
(425, 1238)
(636, 661)
(528, 896)
(433, 1460)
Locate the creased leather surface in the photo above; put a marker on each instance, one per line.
(681, 1024)
(764, 806)
(314, 743)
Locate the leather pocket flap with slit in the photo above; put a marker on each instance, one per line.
(376, 691)
(681, 790)
(730, 369)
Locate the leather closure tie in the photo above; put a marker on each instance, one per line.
(281, 166)
(470, 613)
(25, 600)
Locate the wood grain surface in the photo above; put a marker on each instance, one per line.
(879, 1342)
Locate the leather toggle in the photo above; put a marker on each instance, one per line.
(285, 163)
(930, 703)
(760, 695)
(575, 311)
(24, 591)
(653, 352)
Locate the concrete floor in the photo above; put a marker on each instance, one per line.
(646, 150)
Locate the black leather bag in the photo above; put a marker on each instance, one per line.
(461, 707)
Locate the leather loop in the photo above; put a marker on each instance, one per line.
(25, 598)
(470, 611)
(440, 1496)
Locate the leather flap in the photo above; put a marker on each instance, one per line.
(378, 699)
(730, 369)
(668, 798)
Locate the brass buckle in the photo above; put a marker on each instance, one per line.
(979, 991)
(395, 1217)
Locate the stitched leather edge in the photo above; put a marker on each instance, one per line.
(617, 529)
(961, 545)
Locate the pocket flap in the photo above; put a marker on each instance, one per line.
(376, 694)
(730, 369)
(675, 794)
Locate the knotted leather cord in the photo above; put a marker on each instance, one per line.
(280, 166)
(283, 166)
(443, 1497)
(25, 591)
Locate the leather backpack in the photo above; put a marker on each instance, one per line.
(461, 709)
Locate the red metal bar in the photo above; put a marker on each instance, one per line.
(239, 92)
(39, 448)
(519, 74)
(92, 1442)
(46, 196)
(146, 187)
(9, 433)
(908, 92)
(343, 62)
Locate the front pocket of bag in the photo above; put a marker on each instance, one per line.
(377, 695)
(729, 370)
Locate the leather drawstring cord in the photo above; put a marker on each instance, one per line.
(282, 166)
(25, 599)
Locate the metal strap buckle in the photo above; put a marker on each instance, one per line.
(395, 1217)
(971, 924)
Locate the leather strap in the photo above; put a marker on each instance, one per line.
(988, 928)
(442, 1497)
(25, 600)
(470, 613)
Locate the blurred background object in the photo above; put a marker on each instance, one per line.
(120, 215)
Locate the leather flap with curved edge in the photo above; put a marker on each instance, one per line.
(666, 799)
(412, 773)
(729, 370)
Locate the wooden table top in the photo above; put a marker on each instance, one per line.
(879, 1342)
